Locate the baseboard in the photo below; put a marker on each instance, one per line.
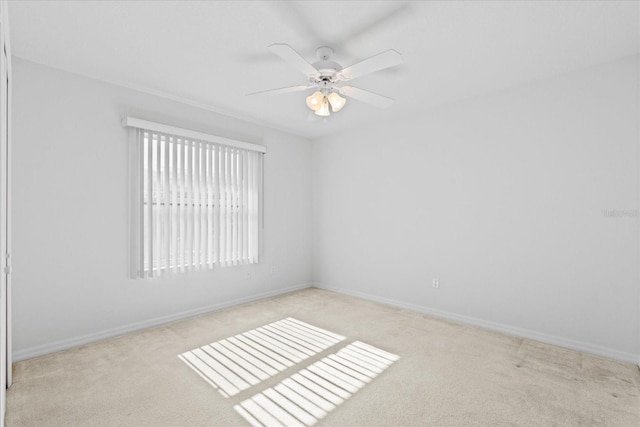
(486, 324)
(66, 344)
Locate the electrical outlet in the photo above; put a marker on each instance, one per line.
(247, 275)
(435, 283)
(272, 270)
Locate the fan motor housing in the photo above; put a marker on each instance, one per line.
(327, 68)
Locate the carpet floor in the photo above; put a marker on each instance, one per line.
(394, 367)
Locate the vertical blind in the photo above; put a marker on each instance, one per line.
(199, 204)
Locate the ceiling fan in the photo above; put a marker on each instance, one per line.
(327, 77)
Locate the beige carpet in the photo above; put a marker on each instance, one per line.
(447, 374)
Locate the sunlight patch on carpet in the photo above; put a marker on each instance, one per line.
(307, 396)
(234, 364)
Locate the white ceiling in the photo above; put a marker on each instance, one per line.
(213, 53)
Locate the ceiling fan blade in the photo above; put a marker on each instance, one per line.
(293, 58)
(386, 59)
(366, 96)
(288, 89)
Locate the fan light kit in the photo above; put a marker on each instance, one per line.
(326, 77)
(319, 103)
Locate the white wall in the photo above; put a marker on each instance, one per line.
(500, 197)
(70, 245)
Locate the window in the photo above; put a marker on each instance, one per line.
(197, 201)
